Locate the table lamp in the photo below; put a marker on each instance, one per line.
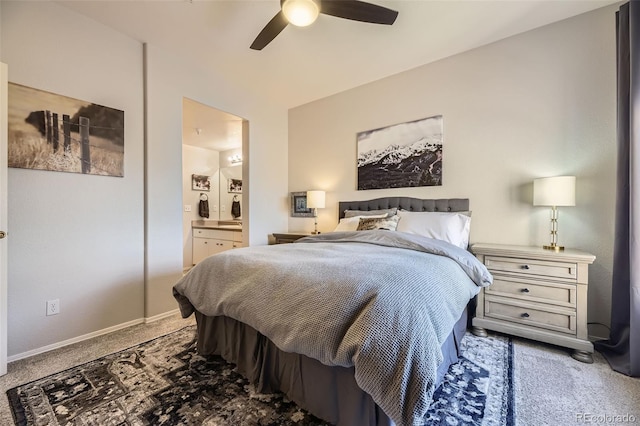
(315, 201)
(554, 192)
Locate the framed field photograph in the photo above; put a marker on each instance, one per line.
(234, 186)
(53, 132)
(299, 205)
(402, 155)
(200, 183)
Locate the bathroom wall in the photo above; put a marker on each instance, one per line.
(229, 170)
(197, 161)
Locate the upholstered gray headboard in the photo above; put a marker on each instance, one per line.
(406, 203)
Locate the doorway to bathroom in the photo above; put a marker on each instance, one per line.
(212, 176)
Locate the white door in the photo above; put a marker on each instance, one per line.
(3, 218)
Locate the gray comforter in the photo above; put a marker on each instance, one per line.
(381, 301)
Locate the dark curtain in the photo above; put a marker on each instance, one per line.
(622, 350)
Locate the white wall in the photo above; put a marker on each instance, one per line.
(168, 80)
(199, 161)
(227, 171)
(79, 238)
(538, 104)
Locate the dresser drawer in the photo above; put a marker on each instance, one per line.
(288, 237)
(217, 234)
(523, 266)
(533, 290)
(530, 314)
(536, 294)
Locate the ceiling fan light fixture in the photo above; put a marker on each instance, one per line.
(305, 12)
(301, 12)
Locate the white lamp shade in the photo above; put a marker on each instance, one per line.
(300, 12)
(554, 191)
(315, 199)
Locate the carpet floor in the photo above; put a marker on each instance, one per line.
(164, 381)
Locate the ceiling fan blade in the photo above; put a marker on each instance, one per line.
(358, 11)
(270, 31)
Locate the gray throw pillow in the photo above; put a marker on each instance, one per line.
(387, 223)
(388, 212)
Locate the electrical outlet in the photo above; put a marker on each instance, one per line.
(223, 208)
(215, 207)
(53, 307)
(187, 207)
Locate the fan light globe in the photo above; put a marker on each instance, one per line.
(300, 12)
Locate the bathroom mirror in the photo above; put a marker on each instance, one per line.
(230, 190)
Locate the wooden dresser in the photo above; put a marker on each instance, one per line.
(537, 294)
(288, 237)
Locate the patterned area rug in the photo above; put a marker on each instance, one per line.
(165, 382)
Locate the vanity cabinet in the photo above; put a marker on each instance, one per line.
(207, 242)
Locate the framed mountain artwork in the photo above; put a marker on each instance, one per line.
(402, 155)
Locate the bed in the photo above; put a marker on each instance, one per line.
(356, 326)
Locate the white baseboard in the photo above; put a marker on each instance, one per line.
(71, 341)
(88, 336)
(161, 316)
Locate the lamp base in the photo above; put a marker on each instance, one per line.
(553, 247)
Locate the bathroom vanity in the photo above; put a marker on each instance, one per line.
(212, 236)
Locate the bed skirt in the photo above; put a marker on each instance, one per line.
(328, 392)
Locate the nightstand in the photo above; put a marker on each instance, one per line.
(536, 294)
(288, 237)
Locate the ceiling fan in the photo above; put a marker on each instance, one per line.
(304, 12)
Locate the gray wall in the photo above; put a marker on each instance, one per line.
(169, 79)
(79, 238)
(541, 103)
(537, 104)
(108, 253)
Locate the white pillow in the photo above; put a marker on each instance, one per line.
(351, 223)
(453, 228)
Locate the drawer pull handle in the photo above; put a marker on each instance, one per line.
(525, 266)
(525, 290)
(524, 315)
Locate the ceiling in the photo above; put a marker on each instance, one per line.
(332, 55)
(207, 127)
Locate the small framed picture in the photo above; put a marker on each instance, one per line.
(234, 186)
(299, 205)
(200, 183)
